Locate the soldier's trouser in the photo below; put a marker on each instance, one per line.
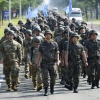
(51, 68)
(65, 75)
(60, 71)
(26, 66)
(11, 73)
(93, 70)
(36, 75)
(73, 74)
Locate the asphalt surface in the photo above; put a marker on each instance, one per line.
(25, 91)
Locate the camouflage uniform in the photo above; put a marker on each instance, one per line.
(74, 63)
(11, 57)
(27, 45)
(36, 73)
(93, 71)
(58, 39)
(48, 52)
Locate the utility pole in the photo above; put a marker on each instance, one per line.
(9, 11)
(97, 4)
(20, 10)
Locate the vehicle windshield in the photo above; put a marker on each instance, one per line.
(76, 14)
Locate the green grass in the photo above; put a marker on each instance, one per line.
(5, 23)
(1, 32)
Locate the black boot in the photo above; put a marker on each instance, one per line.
(46, 91)
(84, 74)
(88, 81)
(97, 83)
(71, 86)
(75, 89)
(51, 89)
(93, 85)
(67, 85)
(62, 81)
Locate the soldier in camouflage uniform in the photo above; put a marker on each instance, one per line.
(58, 39)
(49, 53)
(10, 25)
(21, 29)
(93, 52)
(11, 51)
(19, 39)
(27, 45)
(6, 30)
(73, 59)
(36, 72)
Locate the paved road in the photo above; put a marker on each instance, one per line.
(26, 93)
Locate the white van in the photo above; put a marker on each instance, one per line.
(77, 14)
(55, 9)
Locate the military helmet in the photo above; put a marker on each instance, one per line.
(29, 32)
(72, 25)
(74, 35)
(10, 24)
(11, 32)
(93, 31)
(20, 22)
(61, 29)
(14, 28)
(37, 29)
(6, 29)
(37, 39)
(81, 27)
(48, 32)
(61, 23)
(40, 19)
(83, 22)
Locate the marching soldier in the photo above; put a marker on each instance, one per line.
(27, 45)
(93, 52)
(11, 51)
(73, 59)
(49, 53)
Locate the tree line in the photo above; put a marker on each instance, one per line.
(85, 5)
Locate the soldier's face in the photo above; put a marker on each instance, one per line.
(94, 36)
(27, 35)
(36, 44)
(48, 36)
(74, 39)
(10, 36)
(73, 28)
(82, 31)
(20, 25)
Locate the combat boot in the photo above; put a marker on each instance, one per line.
(35, 86)
(84, 74)
(9, 88)
(67, 85)
(75, 89)
(18, 81)
(93, 85)
(26, 75)
(39, 88)
(97, 83)
(71, 86)
(46, 91)
(51, 89)
(14, 87)
(62, 81)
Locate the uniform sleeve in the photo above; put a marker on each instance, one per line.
(40, 49)
(56, 48)
(1, 50)
(82, 49)
(19, 52)
(65, 47)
